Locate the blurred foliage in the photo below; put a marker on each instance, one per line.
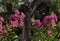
(41, 35)
(56, 8)
(15, 3)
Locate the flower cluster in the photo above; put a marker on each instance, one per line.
(37, 23)
(49, 31)
(48, 21)
(2, 29)
(17, 19)
(51, 19)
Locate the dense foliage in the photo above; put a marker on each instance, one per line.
(43, 27)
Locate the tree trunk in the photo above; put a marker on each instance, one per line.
(27, 28)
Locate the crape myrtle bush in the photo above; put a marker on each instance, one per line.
(45, 29)
(10, 28)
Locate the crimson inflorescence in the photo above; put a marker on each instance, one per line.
(48, 20)
(2, 29)
(17, 19)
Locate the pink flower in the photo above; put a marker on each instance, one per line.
(22, 14)
(49, 32)
(21, 24)
(37, 23)
(20, 17)
(11, 17)
(13, 23)
(1, 19)
(15, 18)
(0, 24)
(53, 18)
(16, 15)
(4, 30)
(46, 20)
